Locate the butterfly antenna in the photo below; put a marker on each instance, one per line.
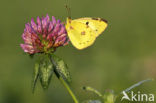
(68, 10)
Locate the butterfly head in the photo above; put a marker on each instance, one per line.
(68, 23)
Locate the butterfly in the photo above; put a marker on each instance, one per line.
(83, 32)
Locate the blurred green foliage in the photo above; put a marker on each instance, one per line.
(123, 55)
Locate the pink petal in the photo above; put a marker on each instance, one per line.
(53, 20)
(50, 27)
(27, 48)
(33, 24)
(39, 27)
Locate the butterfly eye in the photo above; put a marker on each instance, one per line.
(87, 23)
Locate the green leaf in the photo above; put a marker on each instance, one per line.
(45, 71)
(109, 97)
(61, 68)
(36, 75)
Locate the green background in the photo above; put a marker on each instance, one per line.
(122, 56)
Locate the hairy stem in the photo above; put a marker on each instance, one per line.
(69, 90)
(64, 82)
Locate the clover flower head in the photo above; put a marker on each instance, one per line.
(44, 36)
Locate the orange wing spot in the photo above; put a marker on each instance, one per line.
(71, 27)
(83, 33)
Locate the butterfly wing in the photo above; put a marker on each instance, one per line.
(98, 25)
(80, 35)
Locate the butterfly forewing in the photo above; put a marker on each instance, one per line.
(82, 32)
(98, 25)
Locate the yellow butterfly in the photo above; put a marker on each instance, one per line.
(82, 32)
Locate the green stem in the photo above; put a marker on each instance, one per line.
(69, 90)
(64, 83)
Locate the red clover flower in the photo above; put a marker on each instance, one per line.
(44, 36)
